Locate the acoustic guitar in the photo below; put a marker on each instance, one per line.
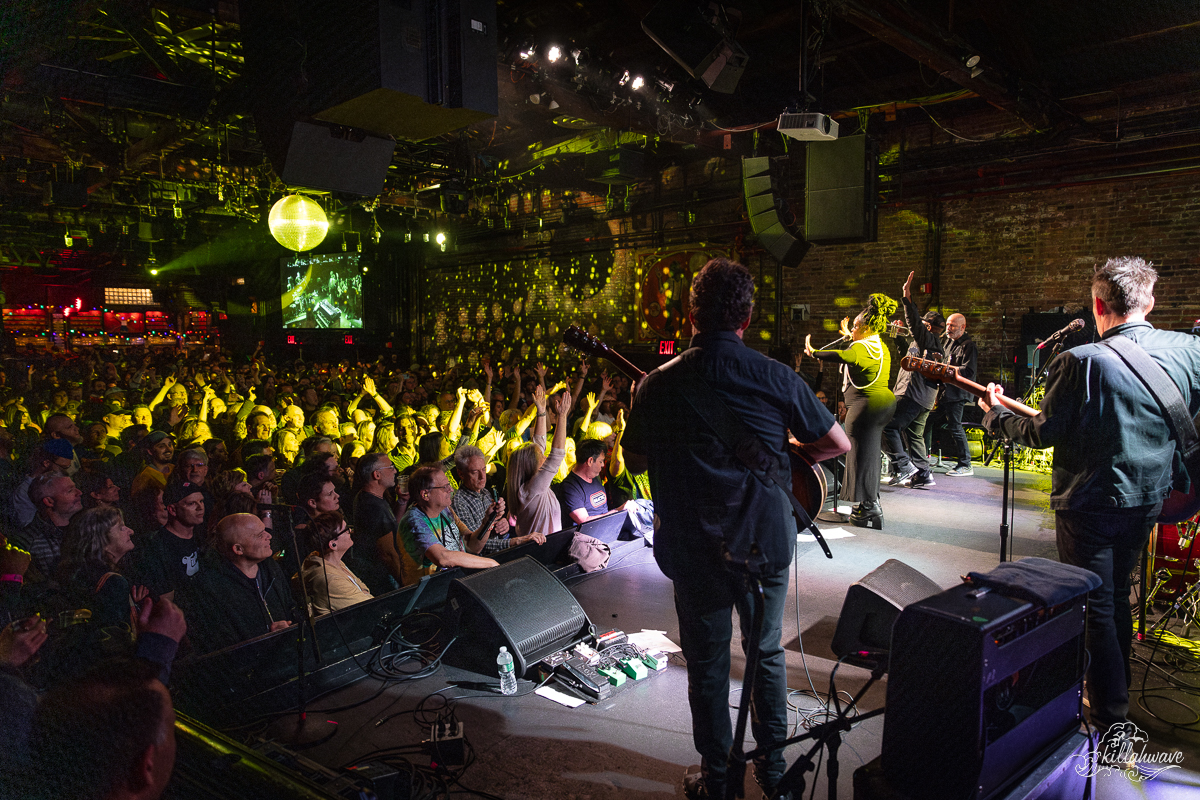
(808, 479)
(1177, 507)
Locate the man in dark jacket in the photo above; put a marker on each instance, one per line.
(240, 592)
(1114, 460)
(904, 436)
(961, 352)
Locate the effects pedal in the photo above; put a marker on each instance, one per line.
(584, 679)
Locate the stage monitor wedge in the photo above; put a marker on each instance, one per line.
(871, 607)
(519, 605)
(839, 191)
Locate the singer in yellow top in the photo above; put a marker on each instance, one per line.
(869, 405)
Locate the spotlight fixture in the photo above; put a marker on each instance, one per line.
(637, 83)
(976, 72)
(554, 53)
(153, 272)
(441, 239)
(973, 61)
(624, 79)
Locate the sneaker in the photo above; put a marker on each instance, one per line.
(920, 480)
(960, 472)
(900, 477)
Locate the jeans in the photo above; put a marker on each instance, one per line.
(1108, 543)
(704, 605)
(950, 413)
(904, 437)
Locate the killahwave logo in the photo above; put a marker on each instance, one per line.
(1122, 749)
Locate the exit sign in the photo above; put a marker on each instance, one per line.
(666, 347)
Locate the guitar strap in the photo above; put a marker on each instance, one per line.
(1166, 392)
(741, 441)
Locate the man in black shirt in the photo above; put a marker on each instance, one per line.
(170, 556)
(581, 494)
(241, 592)
(377, 561)
(698, 485)
(1114, 460)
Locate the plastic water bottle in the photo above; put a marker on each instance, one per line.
(504, 665)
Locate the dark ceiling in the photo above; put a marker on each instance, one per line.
(151, 108)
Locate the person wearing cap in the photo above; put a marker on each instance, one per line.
(904, 436)
(160, 451)
(170, 556)
(116, 419)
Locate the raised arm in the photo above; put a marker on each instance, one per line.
(616, 464)
(168, 382)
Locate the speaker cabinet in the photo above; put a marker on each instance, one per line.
(981, 686)
(680, 28)
(761, 209)
(519, 605)
(839, 191)
(872, 605)
(322, 157)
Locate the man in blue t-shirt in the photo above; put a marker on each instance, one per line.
(581, 494)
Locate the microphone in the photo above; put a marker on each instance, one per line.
(1075, 325)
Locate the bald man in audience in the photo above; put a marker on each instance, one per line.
(240, 592)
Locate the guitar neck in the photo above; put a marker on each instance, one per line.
(974, 388)
(620, 362)
(948, 374)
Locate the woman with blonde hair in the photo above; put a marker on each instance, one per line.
(530, 471)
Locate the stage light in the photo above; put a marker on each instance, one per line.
(441, 238)
(153, 272)
(554, 53)
(298, 223)
(624, 79)
(637, 83)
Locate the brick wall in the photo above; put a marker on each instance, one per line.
(1001, 256)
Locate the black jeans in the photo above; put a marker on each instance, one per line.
(704, 606)
(1108, 543)
(950, 413)
(904, 436)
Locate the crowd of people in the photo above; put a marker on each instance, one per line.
(156, 500)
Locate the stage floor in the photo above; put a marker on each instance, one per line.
(638, 743)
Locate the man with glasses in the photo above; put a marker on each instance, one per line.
(431, 535)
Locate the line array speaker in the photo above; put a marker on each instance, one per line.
(762, 210)
(839, 191)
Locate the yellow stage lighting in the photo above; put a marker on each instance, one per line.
(298, 223)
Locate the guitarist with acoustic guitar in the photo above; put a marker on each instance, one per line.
(1115, 456)
(717, 519)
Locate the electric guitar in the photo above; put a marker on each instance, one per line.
(1177, 507)
(808, 479)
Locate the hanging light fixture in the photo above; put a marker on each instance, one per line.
(298, 223)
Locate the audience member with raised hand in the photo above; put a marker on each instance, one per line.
(531, 471)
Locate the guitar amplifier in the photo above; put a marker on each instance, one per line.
(981, 686)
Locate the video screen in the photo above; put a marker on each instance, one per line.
(321, 291)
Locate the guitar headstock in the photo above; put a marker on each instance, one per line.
(934, 370)
(577, 338)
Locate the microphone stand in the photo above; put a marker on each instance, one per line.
(309, 623)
